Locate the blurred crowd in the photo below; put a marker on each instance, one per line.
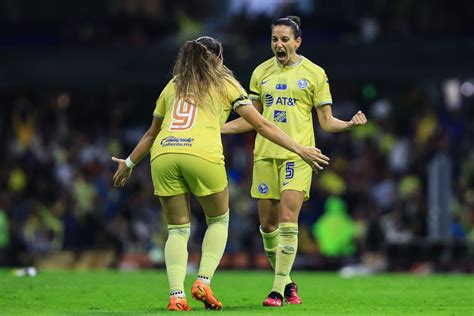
(139, 23)
(57, 193)
(370, 206)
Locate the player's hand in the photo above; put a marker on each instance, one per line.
(314, 157)
(123, 172)
(359, 119)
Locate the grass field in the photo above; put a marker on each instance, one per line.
(146, 293)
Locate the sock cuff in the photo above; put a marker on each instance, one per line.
(183, 229)
(287, 229)
(270, 234)
(222, 219)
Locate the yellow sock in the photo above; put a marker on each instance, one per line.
(176, 255)
(285, 256)
(213, 244)
(270, 244)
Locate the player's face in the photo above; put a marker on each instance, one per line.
(284, 44)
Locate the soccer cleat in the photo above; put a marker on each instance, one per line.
(291, 294)
(178, 304)
(202, 292)
(273, 299)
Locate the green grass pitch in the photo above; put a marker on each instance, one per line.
(241, 292)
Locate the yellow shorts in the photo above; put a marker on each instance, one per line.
(174, 174)
(273, 176)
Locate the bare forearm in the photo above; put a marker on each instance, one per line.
(236, 126)
(276, 135)
(142, 148)
(334, 125)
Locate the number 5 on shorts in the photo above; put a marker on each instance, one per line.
(290, 170)
(184, 114)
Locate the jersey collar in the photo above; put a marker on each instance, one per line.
(294, 65)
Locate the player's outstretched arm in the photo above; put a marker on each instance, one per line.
(240, 125)
(313, 156)
(125, 166)
(331, 124)
(236, 126)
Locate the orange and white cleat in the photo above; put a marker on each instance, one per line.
(202, 292)
(178, 304)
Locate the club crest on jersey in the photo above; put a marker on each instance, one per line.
(302, 83)
(279, 116)
(268, 99)
(263, 188)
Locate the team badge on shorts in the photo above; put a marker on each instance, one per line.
(302, 83)
(263, 188)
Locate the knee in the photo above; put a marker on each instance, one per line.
(269, 222)
(288, 215)
(268, 227)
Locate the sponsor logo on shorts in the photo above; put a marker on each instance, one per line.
(302, 83)
(285, 183)
(177, 141)
(279, 116)
(263, 188)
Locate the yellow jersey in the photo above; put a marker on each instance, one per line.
(288, 95)
(193, 127)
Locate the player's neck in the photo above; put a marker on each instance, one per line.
(294, 60)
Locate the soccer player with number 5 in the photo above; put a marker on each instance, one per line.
(284, 89)
(184, 142)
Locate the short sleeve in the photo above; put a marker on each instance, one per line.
(254, 93)
(237, 95)
(160, 108)
(322, 93)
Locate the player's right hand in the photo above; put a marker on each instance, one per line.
(315, 158)
(121, 175)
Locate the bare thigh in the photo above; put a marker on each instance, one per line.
(215, 204)
(176, 208)
(290, 206)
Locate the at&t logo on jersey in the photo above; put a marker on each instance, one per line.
(263, 188)
(268, 99)
(286, 101)
(279, 116)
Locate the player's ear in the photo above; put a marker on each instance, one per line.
(299, 40)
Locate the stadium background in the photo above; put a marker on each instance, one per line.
(78, 81)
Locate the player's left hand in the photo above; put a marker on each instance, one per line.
(359, 119)
(121, 175)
